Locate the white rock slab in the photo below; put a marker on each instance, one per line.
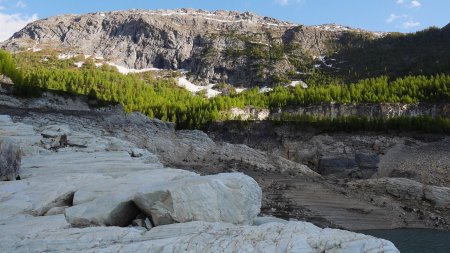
(231, 198)
(198, 237)
(109, 202)
(167, 196)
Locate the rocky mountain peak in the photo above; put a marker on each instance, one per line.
(214, 46)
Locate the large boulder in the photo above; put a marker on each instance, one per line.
(232, 198)
(167, 196)
(109, 202)
(10, 158)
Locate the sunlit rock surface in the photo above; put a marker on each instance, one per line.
(82, 192)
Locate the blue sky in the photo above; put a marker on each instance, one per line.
(376, 15)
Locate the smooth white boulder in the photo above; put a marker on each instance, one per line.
(231, 198)
(166, 196)
(109, 202)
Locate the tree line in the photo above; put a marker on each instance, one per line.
(163, 99)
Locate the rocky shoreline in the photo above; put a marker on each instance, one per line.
(86, 186)
(291, 190)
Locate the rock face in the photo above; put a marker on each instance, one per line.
(249, 114)
(211, 45)
(10, 157)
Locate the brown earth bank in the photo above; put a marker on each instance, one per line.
(342, 197)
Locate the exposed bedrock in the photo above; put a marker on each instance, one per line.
(192, 237)
(105, 145)
(74, 197)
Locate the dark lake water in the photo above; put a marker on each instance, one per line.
(415, 240)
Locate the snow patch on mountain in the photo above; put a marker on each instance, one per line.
(126, 71)
(188, 85)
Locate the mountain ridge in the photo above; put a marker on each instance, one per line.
(175, 39)
(240, 48)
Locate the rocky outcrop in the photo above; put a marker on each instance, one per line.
(355, 156)
(152, 137)
(10, 157)
(109, 202)
(100, 180)
(249, 113)
(105, 145)
(407, 189)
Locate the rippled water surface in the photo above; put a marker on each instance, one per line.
(415, 240)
